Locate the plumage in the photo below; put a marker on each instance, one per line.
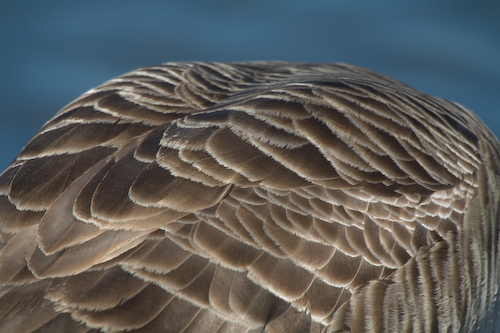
(249, 197)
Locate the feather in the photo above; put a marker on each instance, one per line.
(251, 197)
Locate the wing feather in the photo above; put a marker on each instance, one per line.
(233, 197)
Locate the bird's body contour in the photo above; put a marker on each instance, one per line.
(255, 196)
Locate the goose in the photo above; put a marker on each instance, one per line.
(252, 197)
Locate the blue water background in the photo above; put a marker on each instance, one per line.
(53, 51)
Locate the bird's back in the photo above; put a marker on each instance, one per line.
(252, 196)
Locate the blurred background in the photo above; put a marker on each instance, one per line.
(53, 51)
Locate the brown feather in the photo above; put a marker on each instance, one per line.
(250, 197)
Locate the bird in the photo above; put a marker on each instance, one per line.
(260, 196)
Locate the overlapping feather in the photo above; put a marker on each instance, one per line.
(232, 197)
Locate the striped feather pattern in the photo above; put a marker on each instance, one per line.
(209, 197)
